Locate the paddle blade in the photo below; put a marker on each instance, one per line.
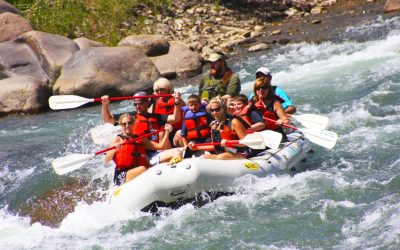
(254, 140)
(70, 163)
(321, 137)
(57, 102)
(312, 121)
(271, 138)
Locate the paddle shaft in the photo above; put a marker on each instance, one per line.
(131, 140)
(230, 142)
(122, 98)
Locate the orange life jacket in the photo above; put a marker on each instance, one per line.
(197, 125)
(226, 132)
(146, 124)
(167, 108)
(268, 112)
(130, 155)
(244, 114)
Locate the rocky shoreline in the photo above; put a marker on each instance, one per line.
(35, 65)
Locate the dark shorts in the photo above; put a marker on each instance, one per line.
(119, 176)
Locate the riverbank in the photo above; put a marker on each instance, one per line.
(329, 25)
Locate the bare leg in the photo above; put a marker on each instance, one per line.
(134, 172)
(177, 141)
(170, 153)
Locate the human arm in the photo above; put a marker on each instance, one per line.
(287, 105)
(233, 87)
(283, 118)
(153, 145)
(105, 110)
(256, 117)
(176, 116)
(110, 153)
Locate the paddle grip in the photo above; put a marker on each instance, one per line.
(284, 125)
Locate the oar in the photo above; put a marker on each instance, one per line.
(321, 137)
(256, 140)
(73, 101)
(311, 120)
(72, 162)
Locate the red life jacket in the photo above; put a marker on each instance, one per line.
(146, 124)
(197, 125)
(164, 108)
(244, 114)
(268, 112)
(130, 155)
(167, 108)
(226, 132)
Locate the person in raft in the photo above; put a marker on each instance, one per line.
(130, 158)
(195, 127)
(287, 103)
(269, 105)
(166, 106)
(245, 111)
(224, 127)
(220, 80)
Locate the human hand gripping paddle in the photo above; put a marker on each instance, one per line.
(256, 140)
(311, 120)
(321, 137)
(57, 102)
(72, 162)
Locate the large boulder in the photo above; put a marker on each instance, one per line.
(6, 7)
(51, 50)
(94, 72)
(12, 25)
(23, 94)
(392, 6)
(85, 43)
(180, 62)
(18, 59)
(152, 45)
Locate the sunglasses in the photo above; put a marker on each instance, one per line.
(262, 88)
(126, 123)
(215, 110)
(138, 103)
(161, 90)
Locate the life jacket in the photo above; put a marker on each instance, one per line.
(244, 115)
(197, 124)
(226, 132)
(146, 124)
(130, 155)
(166, 108)
(215, 86)
(268, 112)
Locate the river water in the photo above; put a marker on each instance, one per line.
(349, 199)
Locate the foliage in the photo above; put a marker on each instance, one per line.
(106, 21)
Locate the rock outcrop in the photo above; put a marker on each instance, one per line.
(12, 25)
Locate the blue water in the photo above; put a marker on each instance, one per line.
(350, 198)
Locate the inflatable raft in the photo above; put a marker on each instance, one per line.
(168, 185)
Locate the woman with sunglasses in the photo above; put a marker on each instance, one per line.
(224, 127)
(130, 158)
(166, 105)
(269, 104)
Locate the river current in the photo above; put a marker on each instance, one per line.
(348, 199)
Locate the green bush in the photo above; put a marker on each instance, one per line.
(106, 21)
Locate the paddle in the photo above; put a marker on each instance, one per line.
(72, 162)
(311, 120)
(321, 137)
(256, 140)
(73, 101)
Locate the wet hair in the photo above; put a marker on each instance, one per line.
(259, 82)
(163, 83)
(194, 98)
(124, 115)
(241, 98)
(217, 100)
